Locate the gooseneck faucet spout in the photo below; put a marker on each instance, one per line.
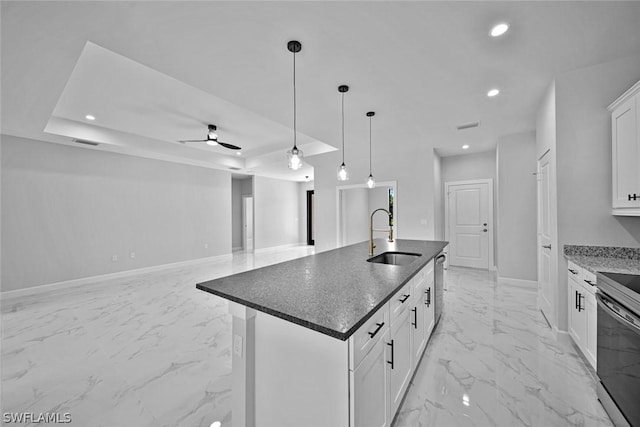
(371, 230)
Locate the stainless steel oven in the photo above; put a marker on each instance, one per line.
(618, 356)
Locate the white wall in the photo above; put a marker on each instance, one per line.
(355, 215)
(67, 210)
(516, 201)
(411, 168)
(438, 197)
(276, 212)
(239, 187)
(236, 213)
(584, 168)
(468, 167)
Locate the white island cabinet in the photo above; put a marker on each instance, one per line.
(289, 371)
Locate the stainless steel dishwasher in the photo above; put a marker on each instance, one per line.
(439, 285)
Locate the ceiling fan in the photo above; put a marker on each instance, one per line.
(212, 139)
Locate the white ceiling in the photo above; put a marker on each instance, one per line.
(156, 72)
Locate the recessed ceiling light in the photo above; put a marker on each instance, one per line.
(499, 29)
(216, 424)
(465, 146)
(89, 117)
(493, 92)
(239, 153)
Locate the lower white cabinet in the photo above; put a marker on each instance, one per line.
(370, 384)
(583, 311)
(384, 368)
(401, 357)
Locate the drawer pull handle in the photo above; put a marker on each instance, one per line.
(573, 271)
(546, 246)
(576, 300)
(404, 299)
(589, 282)
(391, 362)
(373, 334)
(634, 197)
(428, 292)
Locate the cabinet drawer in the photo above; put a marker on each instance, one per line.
(589, 281)
(575, 272)
(363, 340)
(423, 276)
(400, 300)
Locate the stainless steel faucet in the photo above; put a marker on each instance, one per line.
(371, 230)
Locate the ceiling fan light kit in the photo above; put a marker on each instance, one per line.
(212, 139)
(343, 173)
(294, 155)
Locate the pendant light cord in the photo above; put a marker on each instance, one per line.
(343, 128)
(294, 100)
(369, 145)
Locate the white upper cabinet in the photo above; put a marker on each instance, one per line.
(625, 129)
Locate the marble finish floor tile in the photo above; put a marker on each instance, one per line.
(493, 361)
(149, 350)
(154, 351)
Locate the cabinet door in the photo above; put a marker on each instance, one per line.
(626, 154)
(418, 335)
(591, 310)
(576, 319)
(371, 387)
(400, 354)
(429, 313)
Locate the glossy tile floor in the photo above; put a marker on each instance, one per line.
(154, 351)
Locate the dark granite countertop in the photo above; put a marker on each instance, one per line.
(332, 292)
(606, 259)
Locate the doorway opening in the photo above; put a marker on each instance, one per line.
(242, 221)
(310, 217)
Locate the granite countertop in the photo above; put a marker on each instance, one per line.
(332, 292)
(604, 258)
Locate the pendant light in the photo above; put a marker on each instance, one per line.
(295, 154)
(371, 183)
(343, 173)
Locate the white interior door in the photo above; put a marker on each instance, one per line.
(545, 296)
(469, 223)
(247, 223)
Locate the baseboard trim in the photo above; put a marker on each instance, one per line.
(275, 248)
(34, 290)
(529, 284)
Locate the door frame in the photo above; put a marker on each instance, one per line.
(253, 223)
(491, 222)
(339, 188)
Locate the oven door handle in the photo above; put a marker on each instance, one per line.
(633, 326)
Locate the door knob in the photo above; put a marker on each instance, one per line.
(485, 224)
(484, 229)
(546, 246)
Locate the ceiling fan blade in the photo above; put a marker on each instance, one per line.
(229, 146)
(193, 140)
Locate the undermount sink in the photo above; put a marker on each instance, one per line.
(394, 258)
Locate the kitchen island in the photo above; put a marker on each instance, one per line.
(329, 339)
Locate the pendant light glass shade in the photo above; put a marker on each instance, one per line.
(295, 158)
(343, 173)
(371, 183)
(294, 155)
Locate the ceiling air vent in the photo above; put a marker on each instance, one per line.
(233, 168)
(468, 126)
(85, 142)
